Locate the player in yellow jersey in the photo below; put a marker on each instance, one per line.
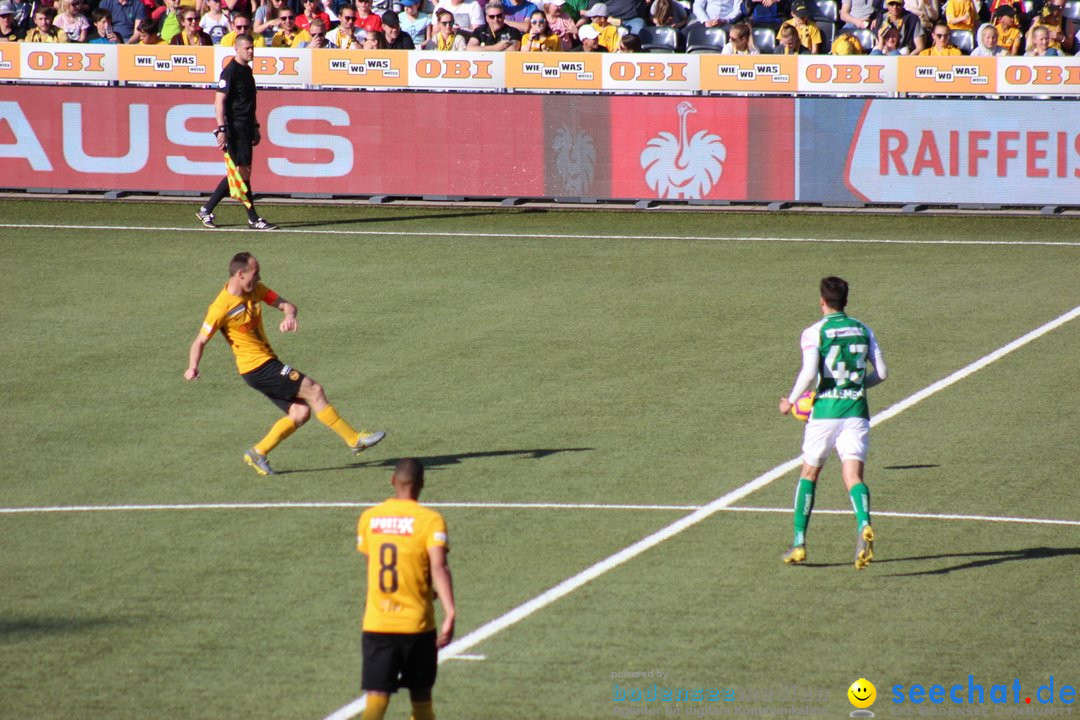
(406, 547)
(237, 313)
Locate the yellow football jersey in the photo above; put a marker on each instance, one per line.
(396, 536)
(240, 321)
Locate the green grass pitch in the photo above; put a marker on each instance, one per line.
(574, 368)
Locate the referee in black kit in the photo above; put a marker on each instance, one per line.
(237, 132)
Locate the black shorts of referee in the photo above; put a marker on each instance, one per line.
(277, 381)
(240, 143)
(399, 660)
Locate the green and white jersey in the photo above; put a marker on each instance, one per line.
(842, 348)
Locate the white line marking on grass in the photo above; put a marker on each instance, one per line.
(331, 506)
(548, 236)
(474, 658)
(921, 516)
(724, 501)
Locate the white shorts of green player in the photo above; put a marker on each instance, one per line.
(851, 439)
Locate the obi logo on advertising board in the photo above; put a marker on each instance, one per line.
(907, 151)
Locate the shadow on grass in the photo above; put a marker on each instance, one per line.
(435, 462)
(985, 559)
(384, 219)
(29, 627)
(909, 467)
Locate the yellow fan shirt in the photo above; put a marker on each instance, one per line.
(396, 536)
(240, 321)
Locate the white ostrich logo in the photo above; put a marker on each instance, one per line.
(678, 168)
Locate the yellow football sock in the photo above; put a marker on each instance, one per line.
(328, 416)
(282, 429)
(423, 710)
(376, 707)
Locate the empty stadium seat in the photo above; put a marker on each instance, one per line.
(828, 34)
(703, 39)
(866, 38)
(764, 40)
(963, 39)
(828, 10)
(659, 39)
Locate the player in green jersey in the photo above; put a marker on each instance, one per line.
(841, 359)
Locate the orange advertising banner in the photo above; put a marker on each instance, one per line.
(360, 68)
(749, 73)
(10, 67)
(946, 75)
(171, 64)
(554, 71)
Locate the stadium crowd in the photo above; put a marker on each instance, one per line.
(838, 27)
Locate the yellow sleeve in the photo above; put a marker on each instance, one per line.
(361, 532)
(215, 315)
(436, 535)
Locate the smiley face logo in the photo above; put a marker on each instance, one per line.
(862, 693)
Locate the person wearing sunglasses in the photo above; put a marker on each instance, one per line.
(346, 35)
(445, 37)
(540, 38)
(289, 36)
(942, 45)
(266, 19)
(190, 32)
(242, 24)
(495, 35)
(468, 14)
(319, 36)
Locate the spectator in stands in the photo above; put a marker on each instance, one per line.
(668, 13)
(414, 23)
(43, 30)
(942, 46)
(740, 41)
(289, 35)
(317, 30)
(518, 13)
(190, 32)
(961, 14)
(242, 24)
(468, 14)
(988, 42)
(126, 16)
(312, 9)
(103, 29)
(607, 34)
(716, 13)
(928, 13)
(366, 20)
(231, 7)
(888, 41)
(147, 33)
(74, 25)
(1009, 33)
(561, 23)
(1038, 42)
(809, 34)
(1053, 20)
(769, 14)
(907, 25)
(373, 40)
(445, 38)
(395, 39)
(574, 8)
(167, 17)
(590, 40)
(495, 35)
(8, 31)
(630, 15)
(540, 38)
(214, 23)
(846, 44)
(267, 20)
(630, 43)
(346, 36)
(22, 17)
(788, 42)
(859, 14)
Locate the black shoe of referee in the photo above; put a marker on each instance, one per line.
(261, 224)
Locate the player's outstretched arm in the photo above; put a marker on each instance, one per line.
(444, 587)
(194, 356)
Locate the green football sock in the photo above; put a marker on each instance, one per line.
(804, 505)
(860, 501)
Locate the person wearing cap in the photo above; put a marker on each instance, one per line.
(906, 23)
(859, 14)
(495, 34)
(590, 40)
(1009, 33)
(809, 34)
(561, 23)
(8, 31)
(395, 39)
(607, 34)
(414, 23)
